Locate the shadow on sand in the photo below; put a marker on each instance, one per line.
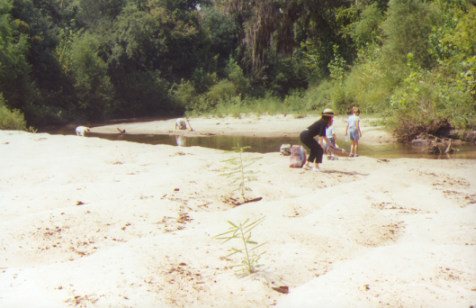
(347, 173)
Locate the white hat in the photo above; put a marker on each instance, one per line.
(328, 112)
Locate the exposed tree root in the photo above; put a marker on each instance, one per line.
(409, 131)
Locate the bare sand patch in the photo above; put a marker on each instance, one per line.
(87, 222)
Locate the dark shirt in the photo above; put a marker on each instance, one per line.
(318, 128)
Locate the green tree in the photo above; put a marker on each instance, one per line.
(464, 36)
(440, 40)
(142, 93)
(285, 75)
(91, 82)
(14, 68)
(278, 27)
(221, 38)
(51, 97)
(153, 41)
(337, 67)
(93, 12)
(407, 28)
(367, 29)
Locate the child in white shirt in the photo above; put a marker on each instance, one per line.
(331, 136)
(180, 123)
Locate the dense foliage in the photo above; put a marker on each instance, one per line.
(73, 61)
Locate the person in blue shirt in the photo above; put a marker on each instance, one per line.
(354, 131)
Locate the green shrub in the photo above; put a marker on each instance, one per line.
(367, 83)
(233, 107)
(202, 80)
(185, 95)
(11, 119)
(235, 75)
(342, 101)
(426, 97)
(223, 90)
(294, 102)
(269, 104)
(316, 97)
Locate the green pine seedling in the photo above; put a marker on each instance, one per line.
(249, 262)
(237, 169)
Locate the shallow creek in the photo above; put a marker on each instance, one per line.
(267, 144)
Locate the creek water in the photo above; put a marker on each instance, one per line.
(267, 144)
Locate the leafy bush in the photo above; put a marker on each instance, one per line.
(185, 94)
(463, 36)
(233, 107)
(235, 75)
(294, 102)
(202, 80)
(11, 119)
(425, 98)
(223, 90)
(367, 83)
(342, 101)
(286, 76)
(269, 104)
(317, 97)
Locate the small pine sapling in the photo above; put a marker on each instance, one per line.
(237, 169)
(249, 262)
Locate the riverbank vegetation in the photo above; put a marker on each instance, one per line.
(75, 61)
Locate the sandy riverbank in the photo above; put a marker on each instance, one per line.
(87, 222)
(263, 126)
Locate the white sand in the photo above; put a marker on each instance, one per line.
(87, 222)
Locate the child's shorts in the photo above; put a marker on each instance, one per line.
(354, 134)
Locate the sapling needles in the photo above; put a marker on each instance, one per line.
(250, 258)
(237, 169)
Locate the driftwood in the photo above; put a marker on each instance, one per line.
(410, 131)
(449, 149)
(281, 289)
(253, 200)
(433, 144)
(434, 149)
(249, 201)
(236, 202)
(435, 138)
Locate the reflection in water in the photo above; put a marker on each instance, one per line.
(268, 145)
(180, 140)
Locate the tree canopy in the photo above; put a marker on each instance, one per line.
(72, 61)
